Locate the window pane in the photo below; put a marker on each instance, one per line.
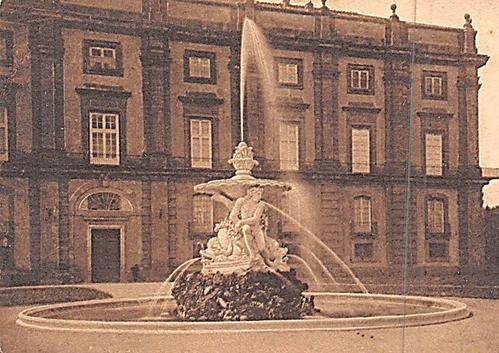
(434, 155)
(428, 85)
(287, 73)
(355, 78)
(199, 67)
(360, 150)
(3, 116)
(104, 201)
(437, 86)
(95, 51)
(110, 53)
(364, 79)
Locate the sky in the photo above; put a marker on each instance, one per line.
(485, 16)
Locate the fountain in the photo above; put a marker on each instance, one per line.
(245, 293)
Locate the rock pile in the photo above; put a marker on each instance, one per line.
(250, 296)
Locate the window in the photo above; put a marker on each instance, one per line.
(435, 216)
(4, 135)
(437, 230)
(360, 79)
(289, 146)
(362, 215)
(104, 138)
(361, 150)
(433, 154)
(434, 85)
(200, 67)
(104, 201)
(202, 214)
(6, 52)
(289, 72)
(102, 58)
(201, 145)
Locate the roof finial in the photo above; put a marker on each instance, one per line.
(394, 15)
(468, 20)
(285, 3)
(324, 3)
(309, 5)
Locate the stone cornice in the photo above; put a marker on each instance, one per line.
(70, 15)
(294, 104)
(434, 114)
(101, 91)
(361, 109)
(201, 98)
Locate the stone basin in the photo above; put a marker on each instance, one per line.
(128, 326)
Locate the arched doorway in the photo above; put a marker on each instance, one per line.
(105, 214)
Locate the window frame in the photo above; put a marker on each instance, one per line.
(201, 228)
(188, 53)
(284, 166)
(103, 100)
(444, 167)
(437, 237)
(442, 75)
(116, 46)
(8, 36)
(370, 90)
(371, 152)
(211, 135)
(299, 72)
(102, 160)
(360, 231)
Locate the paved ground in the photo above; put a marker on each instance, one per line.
(478, 334)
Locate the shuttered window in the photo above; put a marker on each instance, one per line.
(201, 144)
(436, 216)
(361, 161)
(434, 154)
(289, 146)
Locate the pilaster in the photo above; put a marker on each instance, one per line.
(325, 73)
(235, 92)
(156, 90)
(47, 52)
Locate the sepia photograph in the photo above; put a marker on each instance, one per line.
(249, 176)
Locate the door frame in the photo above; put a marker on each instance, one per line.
(121, 228)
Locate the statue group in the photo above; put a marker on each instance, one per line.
(242, 243)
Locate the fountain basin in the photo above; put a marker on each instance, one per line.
(125, 325)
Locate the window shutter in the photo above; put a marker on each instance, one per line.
(361, 151)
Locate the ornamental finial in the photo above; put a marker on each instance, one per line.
(394, 15)
(242, 160)
(468, 20)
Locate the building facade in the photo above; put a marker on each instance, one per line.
(111, 111)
